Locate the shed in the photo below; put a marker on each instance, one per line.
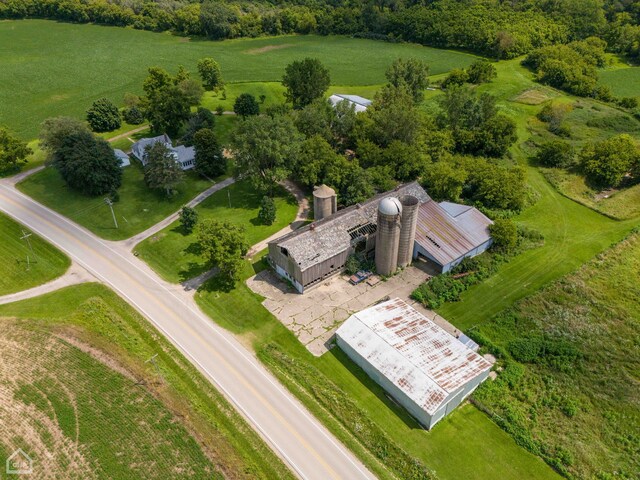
(360, 104)
(123, 157)
(424, 368)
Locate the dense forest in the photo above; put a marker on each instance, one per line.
(490, 27)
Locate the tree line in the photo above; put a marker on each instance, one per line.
(490, 27)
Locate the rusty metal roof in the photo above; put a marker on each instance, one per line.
(411, 351)
(449, 231)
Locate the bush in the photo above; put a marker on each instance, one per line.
(557, 153)
(504, 233)
(188, 219)
(628, 102)
(481, 72)
(457, 76)
(526, 350)
(246, 105)
(352, 265)
(103, 116)
(133, 115)
(267, 212)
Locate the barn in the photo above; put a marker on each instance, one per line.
(421, 366)
(396, 227)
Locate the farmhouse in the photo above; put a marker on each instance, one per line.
(360, 104)
(425, 369)
(185, 156)
(395, 227)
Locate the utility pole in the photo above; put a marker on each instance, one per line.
(110, 203)
(152, 360)
(229, 197)
(25, 236)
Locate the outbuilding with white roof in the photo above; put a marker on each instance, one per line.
(425, 369)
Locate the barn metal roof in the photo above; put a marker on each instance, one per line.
(411, 351)
(449, 231)
(330, 236)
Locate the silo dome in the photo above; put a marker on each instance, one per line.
(390, 206)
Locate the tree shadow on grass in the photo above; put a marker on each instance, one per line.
(194, 248)
(218, 283)
(374, 388)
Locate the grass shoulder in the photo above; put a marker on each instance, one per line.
(24, 267)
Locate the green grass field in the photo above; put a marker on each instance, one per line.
(175, 256)
(45, 261)
(138, 208)
(78, 357)
(51, 68)
(624, 82)
(584, 411)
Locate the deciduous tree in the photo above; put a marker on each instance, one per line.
(606, 162)
(246, 105)
(162, 171)
(103, 116)
(305, 81)
(13, 151)
(223, 245)
(209, 158)
(210, 73)
(188, 219)
(410, 73)
(267, 212)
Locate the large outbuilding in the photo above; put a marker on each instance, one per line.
(421, 366)
(359, 103)
(396, 227)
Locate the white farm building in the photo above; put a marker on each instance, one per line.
(425, 369)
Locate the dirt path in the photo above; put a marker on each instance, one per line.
(301, 217)
(127, 134)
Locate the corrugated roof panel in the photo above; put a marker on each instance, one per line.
(412, 352)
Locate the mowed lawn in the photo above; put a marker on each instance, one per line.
(19, 273)
(85, 392)
(51, 68)
(624, 82)
(176, 256)
(138, 208)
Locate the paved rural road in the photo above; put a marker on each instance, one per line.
(303, 443)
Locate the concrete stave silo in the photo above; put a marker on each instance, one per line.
(409, 221)
(388, 235)
(325, 202)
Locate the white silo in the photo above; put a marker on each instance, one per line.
(325, 202)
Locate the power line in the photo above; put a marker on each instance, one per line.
(110, 203)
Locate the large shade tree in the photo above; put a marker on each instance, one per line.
(410, 73)
(305, 81)
(87, 164)
(210, 160)
(223, 245)
(265, 150)
(210, 73)
(13, 151)
(103, 116)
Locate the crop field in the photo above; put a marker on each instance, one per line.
(578, 400)
(174, 255)
(624, 82)
(51, 68)
(137, 209)
(85, 403)
(44, 262)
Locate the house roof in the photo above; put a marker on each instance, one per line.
(325, 238)
(185, 153)
(448, 231)
(123, 157)
(359, 102)
(137, 149)
(416, 355)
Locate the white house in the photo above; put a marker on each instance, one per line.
(360, 103)
(425, 369)
(185, 156)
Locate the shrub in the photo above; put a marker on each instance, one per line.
(188, 219)
(133, 115)
(504, 233)
(267, 212)
(457, 76)
(352, 265)
(526, 350)
(246, 105)
(628, 102)
(103, 116)
(556, 153)
(481, 72)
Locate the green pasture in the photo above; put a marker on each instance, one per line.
(175, 255)
(51, 68)
(136, 425)
(624, 82)
(137, 209)
(23, 267)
